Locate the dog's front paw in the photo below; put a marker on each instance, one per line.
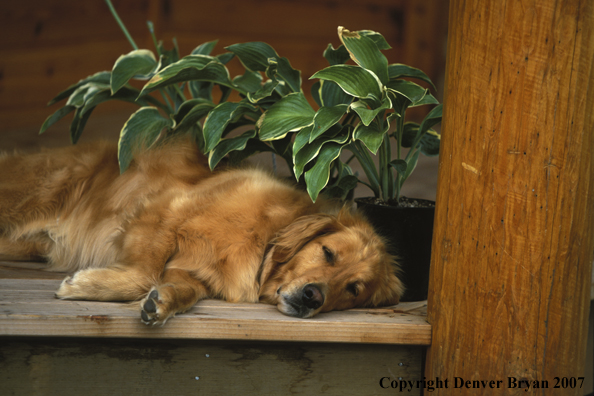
(68, 289)
(152, 309)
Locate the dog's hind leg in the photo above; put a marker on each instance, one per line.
(105, 284)
(176, 292)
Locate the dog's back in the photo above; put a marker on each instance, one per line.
(78, 192)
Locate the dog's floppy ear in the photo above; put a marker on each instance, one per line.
(293, 237)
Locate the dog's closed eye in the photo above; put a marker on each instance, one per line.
(353, 288)
(329, 255)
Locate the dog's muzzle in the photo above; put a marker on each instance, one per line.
(303, 303)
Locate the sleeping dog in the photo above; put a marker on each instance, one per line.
(169, 232)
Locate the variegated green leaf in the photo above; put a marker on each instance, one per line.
(424, 140)
(205, 48)
(226, 146)
(167, 56)
(371, 136)
(337, 56)
(283, 147)
(410, 90)
(190, 112)
(342, 181)
(430, 143)
(365, 52)
(302, 138)
(266, 89)
(328, 93)
(427, 100)
(140, 132)
(398, 70)
(400, 165)
(377, 38)
(291, 113)
(311, 150)
(203, 89)
(98, 78)
(409, 133)
(57, 116)
(139, 63)
(191, 67)
(366, 114)
(81, 116)
(315, 92)
(225, 57)
(325, 118)
(195, 132)
(332, 94)
(126, 94)
(255, 56)
(354, 80)
(263, 92)
(253, 146)
(431, 119)
(341, 188)
(317, 177)
(87, 97)
(220, 117)
(81, 95)
(421, 136)
(249, 82)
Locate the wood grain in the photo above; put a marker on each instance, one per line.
(513, 243)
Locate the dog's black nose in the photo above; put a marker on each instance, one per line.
(312, 297)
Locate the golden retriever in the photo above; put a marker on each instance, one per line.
(169, 232)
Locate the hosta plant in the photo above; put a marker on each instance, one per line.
(361, 106)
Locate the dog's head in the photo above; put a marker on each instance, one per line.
(321, 263)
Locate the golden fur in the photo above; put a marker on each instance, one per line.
(170, 232)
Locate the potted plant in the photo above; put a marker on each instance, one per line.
(380, 98)
(361, 108)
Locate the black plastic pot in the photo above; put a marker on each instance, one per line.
(409, 233)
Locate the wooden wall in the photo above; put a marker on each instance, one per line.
(47, 45)
(124, 367)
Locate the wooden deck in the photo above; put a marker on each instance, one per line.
(49, 346)
(28, 308)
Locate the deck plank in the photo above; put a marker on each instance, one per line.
(28, 308)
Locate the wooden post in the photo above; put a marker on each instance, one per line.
(513, 243)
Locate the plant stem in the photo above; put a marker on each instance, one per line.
(122, 26)
(351, 158)
(151, 29)
(225, 92)
(167, 102)
(368, 167)
(179, 92)
(400, 132)
(386, 169)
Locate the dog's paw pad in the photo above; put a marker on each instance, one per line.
(144, 317)
(149, 309)
(149, 306)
